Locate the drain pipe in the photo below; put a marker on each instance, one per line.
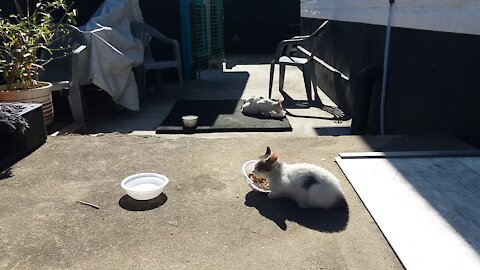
(385, 68)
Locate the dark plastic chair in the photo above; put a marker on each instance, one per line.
(287, 55)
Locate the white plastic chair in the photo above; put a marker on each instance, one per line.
(284, 56)
(63, 71)
(146, 33)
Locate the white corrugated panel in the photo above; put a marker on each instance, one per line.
(457, 16)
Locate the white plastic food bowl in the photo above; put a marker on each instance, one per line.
(248, 168)
(144, 186)
(190, 120)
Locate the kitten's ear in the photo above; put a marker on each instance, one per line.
(273, 157)
(268, 152)
(280, 102)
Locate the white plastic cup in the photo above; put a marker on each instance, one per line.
(190, 121)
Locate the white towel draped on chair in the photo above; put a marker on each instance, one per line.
(112, 51)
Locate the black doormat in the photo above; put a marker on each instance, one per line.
(218, 116)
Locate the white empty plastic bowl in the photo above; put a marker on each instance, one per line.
(144, 186)
(190, 120)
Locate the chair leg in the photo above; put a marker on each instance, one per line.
(76, 103)
(314, 82)
(158, 80)
(180, 78)
(270, 85)
(308, 82)
(143, 89)
(281, 79)
(139, 73)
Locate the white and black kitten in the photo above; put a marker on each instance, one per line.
(311, 186)
(263, 106)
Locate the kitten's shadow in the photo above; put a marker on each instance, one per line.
(279, 211)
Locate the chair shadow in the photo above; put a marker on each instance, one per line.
(7, 173)
(290, 103)
(279, 211)
(130, 204)
(231, 61)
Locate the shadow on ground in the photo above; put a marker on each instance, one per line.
(106, 117)
(332, 131)
(130, 204)
(279, 211)
(7, 173)
(290, 103)
(233, 60)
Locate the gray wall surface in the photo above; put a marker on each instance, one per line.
(433, 85)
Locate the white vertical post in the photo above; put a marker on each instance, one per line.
(385, 68)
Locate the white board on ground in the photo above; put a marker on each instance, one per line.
(427, 208)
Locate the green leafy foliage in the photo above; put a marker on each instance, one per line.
(24, 34)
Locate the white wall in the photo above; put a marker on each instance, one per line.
(458, 16)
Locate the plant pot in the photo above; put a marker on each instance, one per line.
(42, 95)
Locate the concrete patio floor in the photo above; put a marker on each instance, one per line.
(207, 218)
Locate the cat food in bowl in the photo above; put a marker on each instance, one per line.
(190, 121)
(144, 186)
(254, 182)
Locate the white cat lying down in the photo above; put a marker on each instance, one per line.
(263, 106)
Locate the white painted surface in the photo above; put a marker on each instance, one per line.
(427, 208)
(458, 16)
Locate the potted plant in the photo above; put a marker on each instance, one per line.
(23, 36)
